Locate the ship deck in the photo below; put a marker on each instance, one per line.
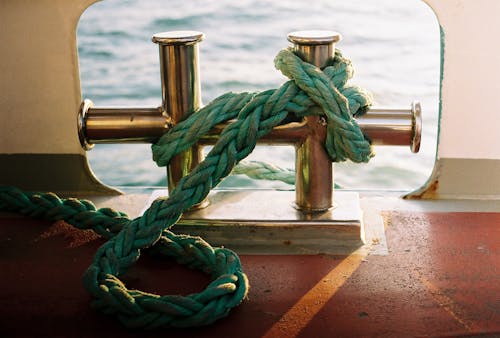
(439, 277)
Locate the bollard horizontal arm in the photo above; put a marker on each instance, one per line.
(120, 125)
(383, 126)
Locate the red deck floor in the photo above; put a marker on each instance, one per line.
(440, 279)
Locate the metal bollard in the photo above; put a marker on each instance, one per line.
(181, 97)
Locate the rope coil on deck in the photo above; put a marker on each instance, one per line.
(256, 115)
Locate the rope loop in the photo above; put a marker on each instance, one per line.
(137, 309)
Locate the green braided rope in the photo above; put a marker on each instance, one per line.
(136, 308)
(257, 114)
(344, 139)
(264, 171)
(82, 214)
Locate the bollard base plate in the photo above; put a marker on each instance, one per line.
(266, 222)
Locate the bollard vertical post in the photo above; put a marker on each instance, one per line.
(313, 167)
(181, 90)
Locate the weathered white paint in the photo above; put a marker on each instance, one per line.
(468, 153)
(39, 98)
(470, 116)
(40, 79)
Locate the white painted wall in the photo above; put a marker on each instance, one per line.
(470, 116)
(39, 76)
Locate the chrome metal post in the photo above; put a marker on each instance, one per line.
(393, 126)
(181, 90)
(120, 125)
(313, 167)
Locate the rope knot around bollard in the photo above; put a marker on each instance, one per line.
(327, 89)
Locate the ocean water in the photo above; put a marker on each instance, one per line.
(394, 46)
